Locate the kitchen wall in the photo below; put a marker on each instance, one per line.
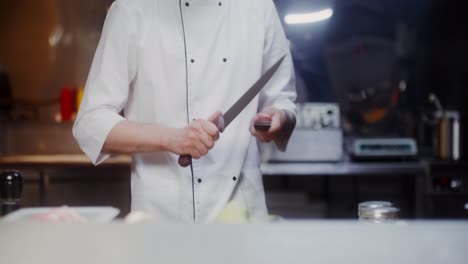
(45, 138)
(44, 45)
(47, 44)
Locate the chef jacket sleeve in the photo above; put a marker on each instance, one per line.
(107, 88)
(281, 90)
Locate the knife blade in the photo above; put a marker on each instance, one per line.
(225, 119)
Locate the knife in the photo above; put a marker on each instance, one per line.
(225, 119)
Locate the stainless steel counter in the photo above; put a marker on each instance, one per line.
(344, 168)
(418, 170)
(305, 242)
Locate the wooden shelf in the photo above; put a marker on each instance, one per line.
(59, 160)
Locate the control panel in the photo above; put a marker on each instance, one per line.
(318, 116)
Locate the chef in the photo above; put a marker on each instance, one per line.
(162, 70)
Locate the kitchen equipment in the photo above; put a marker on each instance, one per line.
(447, 135)
(383, 148)
(225, 119)
(373, 97)
(317, 138)
(446, 128)
(11, 187)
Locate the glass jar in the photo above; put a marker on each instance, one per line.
(379, 215)
(365, 206)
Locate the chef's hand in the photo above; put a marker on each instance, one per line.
(195, 139)
(278, 120)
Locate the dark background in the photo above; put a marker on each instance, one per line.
(424, 44)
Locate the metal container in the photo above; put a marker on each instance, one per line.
(447, 135)
(379, 215)
(371, 205)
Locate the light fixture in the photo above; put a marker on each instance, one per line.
(308, 17)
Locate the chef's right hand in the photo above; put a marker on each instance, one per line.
(196, 139)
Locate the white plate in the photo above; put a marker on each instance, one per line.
(92, 214)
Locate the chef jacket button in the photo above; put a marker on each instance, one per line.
(220, 4)
(225, 59)
(187, 4)
(234, 178)
(199, 180)
(192, 61)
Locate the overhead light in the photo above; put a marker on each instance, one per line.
(309, 17)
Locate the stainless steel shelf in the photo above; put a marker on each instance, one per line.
(345, 168)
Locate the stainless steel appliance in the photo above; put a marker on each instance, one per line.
(317, 137)
(383, 148)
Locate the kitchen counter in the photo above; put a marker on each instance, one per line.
(43, 164)
(301, 242)
(418, 170)
(58, 160)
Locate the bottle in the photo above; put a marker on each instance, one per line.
(66, 103)
(79, 97)
(11, 187)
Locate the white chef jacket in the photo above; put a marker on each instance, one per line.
(168, 62)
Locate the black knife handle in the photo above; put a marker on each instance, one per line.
(262, 126)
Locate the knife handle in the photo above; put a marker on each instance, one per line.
(185, 160)
(262, 126)
(218, 121)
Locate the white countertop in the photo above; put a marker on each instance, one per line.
(302, 242)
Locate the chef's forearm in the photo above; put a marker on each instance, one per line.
(129, 137)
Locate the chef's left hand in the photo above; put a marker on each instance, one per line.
(277, 118)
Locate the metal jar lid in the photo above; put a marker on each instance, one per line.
(372, 205)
